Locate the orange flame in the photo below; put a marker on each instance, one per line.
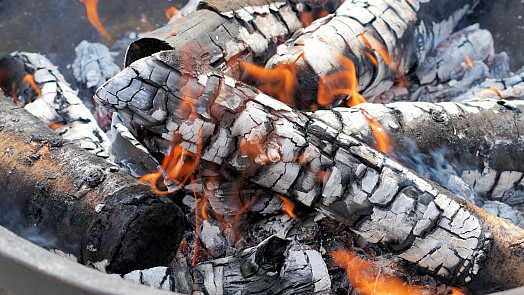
(381, 138)
(203, 209)
(470, 63)
(92, 15)
(146, 21)
(29, 79)
(343, 82)
(241, 211)
(383, 52)
(367, 277)
(489, 91)
(170, 12)
(278, 82)
(289, 206)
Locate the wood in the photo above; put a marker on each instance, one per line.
(400, 34)
(223, 32)
(423, 224)
(78, 202)
(58, 105)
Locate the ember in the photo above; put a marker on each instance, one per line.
(252, 161)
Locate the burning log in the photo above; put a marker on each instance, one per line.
(222, 32)
(480, 138)
(381, 40)
(87, 207)
(232, 125)
(54, 102)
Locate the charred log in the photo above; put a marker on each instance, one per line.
(222, 32)
(396, 35)
(85, 206)
(302, 157)
(55, 103)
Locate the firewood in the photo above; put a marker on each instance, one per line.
(299, 156)
(58, 105)
(222, 32)
(396, 35)
(85, 206)
(481, 138)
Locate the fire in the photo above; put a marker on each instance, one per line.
(203, 208)
(489, 91)
(367, 277)
(241, 211)
(289, 206)
(278, 82)
(381, 137)
(343, 82)
(92, 15)
(383, 52)
(470, 63)
(29, 79)
(146, 21)
(170, 12)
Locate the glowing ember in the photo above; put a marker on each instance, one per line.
(344, 82)
(55, 126)
(278, 82)
(381, 137)
(470, 63)
(368, 278)
(203, 209)
(29, 79)
(288, 206)
(92, 15)
(170, 12)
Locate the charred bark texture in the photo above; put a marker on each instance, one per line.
(386, 203)
(82, 204)
(400, 34)
(222, 32)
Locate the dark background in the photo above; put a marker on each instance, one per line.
(55, 27)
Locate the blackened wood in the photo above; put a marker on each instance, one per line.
(82, 204)
(299, 156)
(222, 32)
(400, 34)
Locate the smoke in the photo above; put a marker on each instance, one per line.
(436, 167)
(12, 219)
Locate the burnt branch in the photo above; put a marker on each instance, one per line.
(82, 204)
(394, 35)
(322, 167)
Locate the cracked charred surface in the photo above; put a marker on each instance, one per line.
(482, 139)
(421, 223)
(396, 35)
(85, 206)
(222, 32)
(58, 105)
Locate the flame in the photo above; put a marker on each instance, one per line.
(289, 206)
(203, 209)
(381, 138)
(92, 15)
(470, 63)
(170, 12)
(342, 82)
(29, 79)
(146, 21)
(241, 211)
(367, 278)
(489, 91)
(383, 52)
(278, 82)
(306, 18)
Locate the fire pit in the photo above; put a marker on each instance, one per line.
(236, 151)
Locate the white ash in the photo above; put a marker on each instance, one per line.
(502, 210)
(93, 64)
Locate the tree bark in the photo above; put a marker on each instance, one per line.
(425, 225)
(78, 202)
(397, 34)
